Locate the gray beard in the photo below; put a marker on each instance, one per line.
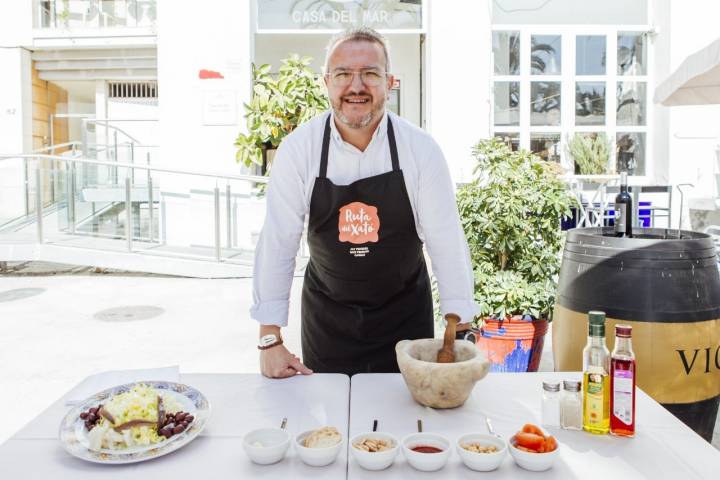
(363, 122)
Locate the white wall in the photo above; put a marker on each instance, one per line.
(15, 127)
(145, 132)
(16, 23)
(216, 35)
(459, 47)
(75, 125)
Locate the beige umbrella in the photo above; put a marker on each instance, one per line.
(695, 82)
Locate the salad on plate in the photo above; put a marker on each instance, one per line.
(140, 417)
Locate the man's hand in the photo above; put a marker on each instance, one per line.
(278, 362)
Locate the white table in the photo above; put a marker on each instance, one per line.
(240, 403)
(663, 448)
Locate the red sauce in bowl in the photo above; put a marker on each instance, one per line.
(426, 449)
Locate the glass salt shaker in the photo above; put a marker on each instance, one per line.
(551, 404)
(571, 406)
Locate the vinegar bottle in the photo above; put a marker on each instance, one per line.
(622, 384)
(596, 377)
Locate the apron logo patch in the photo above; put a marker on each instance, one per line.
(358, 223)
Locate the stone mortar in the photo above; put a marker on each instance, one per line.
(440, 385)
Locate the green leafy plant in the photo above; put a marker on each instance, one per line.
(511, 216)
(279, 104)
(590, 151)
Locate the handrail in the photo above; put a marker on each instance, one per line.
(136, 145)
(249, 178)
(107, 125)
(59, 145)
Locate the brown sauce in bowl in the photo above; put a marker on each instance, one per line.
(426, 449)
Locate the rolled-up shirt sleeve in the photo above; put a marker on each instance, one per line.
(444, 237)
(279, 240)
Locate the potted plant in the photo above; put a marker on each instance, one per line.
(590, 152)
(279, 104)
(511, 215)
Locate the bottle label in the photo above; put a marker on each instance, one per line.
(595, 398)
(620, 217)
(623, 396)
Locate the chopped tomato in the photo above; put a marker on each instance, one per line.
(550, 444)
(530, 440)
(530, 428)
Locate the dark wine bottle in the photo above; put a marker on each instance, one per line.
(623, 209)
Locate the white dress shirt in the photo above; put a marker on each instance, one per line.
(432, 197)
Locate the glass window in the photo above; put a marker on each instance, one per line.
(631, 150)
(512, 139)
(507, 103)
(631, 103)
(631, 54)
(590, 103)
(545, 54)
(589, 152)
(590, 55)
(545, 103)
(506, 51)
(546, 146)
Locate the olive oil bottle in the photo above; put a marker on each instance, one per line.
(596, 377)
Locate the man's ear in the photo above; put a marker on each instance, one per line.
(390, 82)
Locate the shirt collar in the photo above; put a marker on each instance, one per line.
(378, 134)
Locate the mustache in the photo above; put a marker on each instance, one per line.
(356, 94)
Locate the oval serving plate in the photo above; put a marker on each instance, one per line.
(73, 435)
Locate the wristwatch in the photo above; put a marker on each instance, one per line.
(268, 341)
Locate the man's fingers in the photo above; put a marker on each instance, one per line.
(287, 372)
(298, 365)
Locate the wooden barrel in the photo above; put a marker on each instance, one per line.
(668, 288)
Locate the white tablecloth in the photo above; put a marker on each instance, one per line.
(663, 448)
(240, 403)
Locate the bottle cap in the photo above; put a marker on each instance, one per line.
(551, 386)
(571, 385)
(596, 323)
(624, 331)
(596, 317)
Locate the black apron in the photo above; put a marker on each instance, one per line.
(366, 285)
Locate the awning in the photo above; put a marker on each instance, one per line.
(695, 82)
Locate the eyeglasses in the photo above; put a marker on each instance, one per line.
(370, 77)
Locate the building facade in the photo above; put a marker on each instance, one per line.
(164, 81)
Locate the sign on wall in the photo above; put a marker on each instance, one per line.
(219, 107)
(339, 14)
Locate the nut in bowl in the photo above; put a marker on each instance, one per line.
(266, 445)
(426, 452)
(320, 447)
(480, 452)
(532, 449)
(374, 450)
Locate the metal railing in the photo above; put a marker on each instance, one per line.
(93, 14)
(131, 193)
(91, 148)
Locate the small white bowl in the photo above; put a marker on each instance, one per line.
(316, 457)
(426, 462)
(266, 445)
(536, 462)
(482, 462)
(375, 460)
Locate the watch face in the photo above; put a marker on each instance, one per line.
(267, 340)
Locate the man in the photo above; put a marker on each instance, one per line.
(374, 187)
